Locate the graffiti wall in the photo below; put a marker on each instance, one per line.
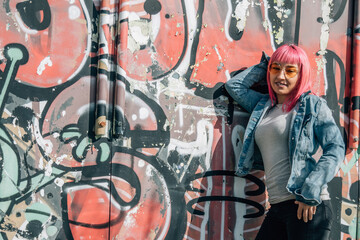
(116, 125)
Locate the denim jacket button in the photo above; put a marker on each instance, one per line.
(292, 138)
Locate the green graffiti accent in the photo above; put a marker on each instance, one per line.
(38, 211)
(10, 170)
(15, 55)
(105, 152)
(4, 206)
(84, 143)
(353, 228)
(70, 133)
(51, 231)
(349, 166)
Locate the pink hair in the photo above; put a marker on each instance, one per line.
(289, 53)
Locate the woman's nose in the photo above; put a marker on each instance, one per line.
(281, 74)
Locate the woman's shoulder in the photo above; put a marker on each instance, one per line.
(311, 97)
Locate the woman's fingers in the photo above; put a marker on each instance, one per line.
(300, 210)
(305, 211)
(305, 214)
(312, 212)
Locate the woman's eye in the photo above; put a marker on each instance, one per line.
(291, 70)
(276, 68)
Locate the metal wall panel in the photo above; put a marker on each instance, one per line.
(116, 124)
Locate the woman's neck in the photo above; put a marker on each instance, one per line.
(281, 99)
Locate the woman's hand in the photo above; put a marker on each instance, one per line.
(305, 211)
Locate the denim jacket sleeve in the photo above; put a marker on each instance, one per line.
(239, 86)
(330, 139)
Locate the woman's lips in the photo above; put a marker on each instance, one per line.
(280, 84)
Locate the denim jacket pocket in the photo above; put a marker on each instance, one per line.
(306, 125)
(306, 134)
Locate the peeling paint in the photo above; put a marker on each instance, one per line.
(46, 145)
(279, 36)
(320, 63)
(326, 8)
(241, 13)
(42, 65)
(140, 32)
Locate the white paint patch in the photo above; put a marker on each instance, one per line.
(326, 7)
(48, 168)
(356, 35)
(227, 20)
(155, 26)
(265, 24)
(140, 32)
(130, 221)
(74, 12)
(46, 145)
(133, 2)
(42, 65)
(77, 175)
(60, 159)
(241, 12)
(59, 182)
(56, 135)
(320, 62)
(134, 117)
(107, 19)
(141, 163)
(63, 113)
(279, 36)
(279, 3)
(42, 192)
(143, 113)
(217, 52)
(41, 163)
(149, 171)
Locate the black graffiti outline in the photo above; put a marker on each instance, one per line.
(11, 68)
(29, 11)
(120, 171)
(35, 93)
(258, 182)
(331, 95)
(335, 16)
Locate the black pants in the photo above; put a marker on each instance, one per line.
(281, 222)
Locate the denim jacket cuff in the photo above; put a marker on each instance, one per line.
(311, 202)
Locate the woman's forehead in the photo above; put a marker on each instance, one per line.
(285, 63)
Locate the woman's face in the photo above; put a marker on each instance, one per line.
(283, 79)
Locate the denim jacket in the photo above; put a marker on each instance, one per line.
(312, 125)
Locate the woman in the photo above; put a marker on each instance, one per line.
(285, 130)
